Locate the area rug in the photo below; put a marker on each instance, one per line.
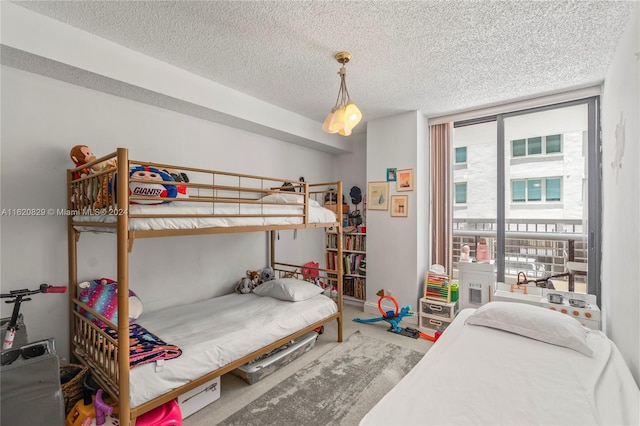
(337, 389)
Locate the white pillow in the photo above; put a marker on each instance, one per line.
(289, 289)
(280, 197)
(534, 322)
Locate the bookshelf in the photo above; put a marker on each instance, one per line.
(354, 254)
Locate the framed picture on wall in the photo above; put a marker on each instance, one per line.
(391, 175)
(378, 196)
(400, 205)
(404, 180)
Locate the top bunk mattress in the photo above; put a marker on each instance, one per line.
(215, 332)
(480, 375)
(253, 215)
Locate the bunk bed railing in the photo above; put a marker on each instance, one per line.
(212, 194)
(287, 270)
(98, 350)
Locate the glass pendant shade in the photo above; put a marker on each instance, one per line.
(352, 114)
(327, 122)
(345, 131)
(337, 120)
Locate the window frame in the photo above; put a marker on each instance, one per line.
(594, 184)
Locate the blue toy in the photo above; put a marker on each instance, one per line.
(392, 317)
(153, 187)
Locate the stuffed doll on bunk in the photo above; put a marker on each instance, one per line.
(149, 182)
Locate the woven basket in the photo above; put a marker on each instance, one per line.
(72, 390)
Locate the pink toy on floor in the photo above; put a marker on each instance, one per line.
(168, 414)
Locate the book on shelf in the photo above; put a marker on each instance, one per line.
(332, 241)
(331, 260)
(352, 263)
(355, 242)
(354, 287)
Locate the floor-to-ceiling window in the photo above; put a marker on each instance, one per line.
(526, 193)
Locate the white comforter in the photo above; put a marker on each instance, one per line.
(482, 376)
(317, 214)
(215, 332)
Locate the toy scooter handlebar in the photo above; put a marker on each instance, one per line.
(44, 288)
(55, 289)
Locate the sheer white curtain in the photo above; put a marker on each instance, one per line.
(441, 214)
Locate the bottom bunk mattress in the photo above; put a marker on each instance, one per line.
(215, 332)
(479, 374)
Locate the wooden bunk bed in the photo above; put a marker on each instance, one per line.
(226, 203)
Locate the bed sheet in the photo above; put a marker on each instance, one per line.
(217, 331)
(478, 375)
(316, 215)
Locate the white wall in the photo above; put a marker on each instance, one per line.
(396, 246)
(43, 118)
(621, 197)
(351, 169)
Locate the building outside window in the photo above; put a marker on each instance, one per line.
(553, 189)
(553, 144)
(539, 198)
(461, 193)
(534, 146)
(536, 190)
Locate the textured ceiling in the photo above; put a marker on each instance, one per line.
(433, 56)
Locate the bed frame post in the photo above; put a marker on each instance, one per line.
(122, 189)
(339, 256)
(72, 256)
(272, 248)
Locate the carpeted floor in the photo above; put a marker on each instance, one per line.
(333, 384)
(338, 388)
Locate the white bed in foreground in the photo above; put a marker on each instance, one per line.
(479, 374)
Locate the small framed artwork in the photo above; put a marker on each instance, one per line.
(404, 180)
(400, 205)
(378, 196)
(391, 175)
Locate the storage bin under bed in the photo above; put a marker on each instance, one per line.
(269, 363)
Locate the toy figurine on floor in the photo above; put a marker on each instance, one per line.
(392, 317)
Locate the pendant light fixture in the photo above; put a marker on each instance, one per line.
(345, 115)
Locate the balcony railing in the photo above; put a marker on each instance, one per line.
(539, 247)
